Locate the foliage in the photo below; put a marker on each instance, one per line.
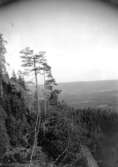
(15, 117)
(2, 61)
(66, 129)
(4, 138)
(2, 53)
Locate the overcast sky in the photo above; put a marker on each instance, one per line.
(79, 36)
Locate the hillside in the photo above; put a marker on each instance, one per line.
(90, 94)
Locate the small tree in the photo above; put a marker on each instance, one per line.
(14, 77)
(51, 87)
(21, 80)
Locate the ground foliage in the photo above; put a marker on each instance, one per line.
(66, 129)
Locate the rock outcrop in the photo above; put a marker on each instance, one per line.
(91, 162)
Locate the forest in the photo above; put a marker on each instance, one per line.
(47, 132)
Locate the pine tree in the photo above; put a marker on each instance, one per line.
(51, 87)
(21, 80)
(34, 63)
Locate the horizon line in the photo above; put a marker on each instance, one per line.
(89, 81)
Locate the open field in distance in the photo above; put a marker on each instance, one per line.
(103, 94)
